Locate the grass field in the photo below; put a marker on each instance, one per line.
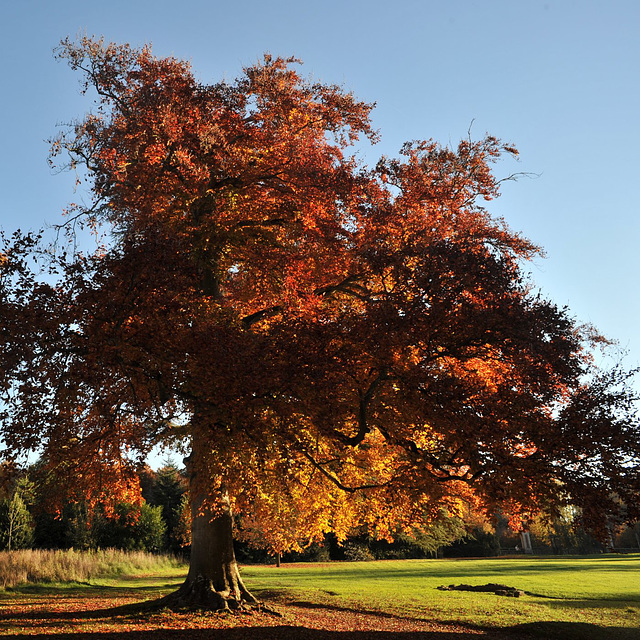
(586, 598)
(602, 591)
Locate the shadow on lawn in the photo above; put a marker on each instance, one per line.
(135, 613)
(88, 589)
(570, 631)
(260, 633)
(546, 631)
(132, 610)
(590, 603)
(533, 630)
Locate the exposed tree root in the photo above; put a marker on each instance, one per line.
(199, 593)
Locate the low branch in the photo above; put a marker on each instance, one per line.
(250, 320)
(365, 400)
(330, 476)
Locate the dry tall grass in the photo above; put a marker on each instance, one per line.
(36, 565)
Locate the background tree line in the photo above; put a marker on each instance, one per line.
(160, 523)
(157, 522)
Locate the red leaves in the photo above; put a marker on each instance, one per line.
(328, 328)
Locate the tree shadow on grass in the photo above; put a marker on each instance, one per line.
(142, 614)
(89, 589)
(546, 631)
(571, 631)
(266, 633)
(475, 629)
(537, 630)
(137, 613)
(591, 603)
(134, 609)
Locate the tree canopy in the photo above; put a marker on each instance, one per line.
(333, 343)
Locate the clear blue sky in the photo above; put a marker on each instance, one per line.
(559, 79)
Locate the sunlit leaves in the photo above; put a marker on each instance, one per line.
(337, 345)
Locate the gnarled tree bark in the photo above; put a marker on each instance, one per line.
(214, 580)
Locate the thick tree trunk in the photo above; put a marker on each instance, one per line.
(213, 581)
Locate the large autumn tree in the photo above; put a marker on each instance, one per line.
(335, 344)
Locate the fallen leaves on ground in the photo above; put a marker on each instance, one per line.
(98, 616)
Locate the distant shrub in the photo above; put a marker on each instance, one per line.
(16, 526)
(318, 552)
(629, 537)
(479, 543)
(132, 528)
(357, 552)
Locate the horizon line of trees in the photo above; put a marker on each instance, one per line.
(157, 522)
(160, 522)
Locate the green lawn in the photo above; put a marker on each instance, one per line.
(572, 598)
(602, 590)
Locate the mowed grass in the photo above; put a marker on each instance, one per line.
(602, 590)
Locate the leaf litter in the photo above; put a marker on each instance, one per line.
(96, 617)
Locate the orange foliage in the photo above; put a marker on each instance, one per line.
(336, 344)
